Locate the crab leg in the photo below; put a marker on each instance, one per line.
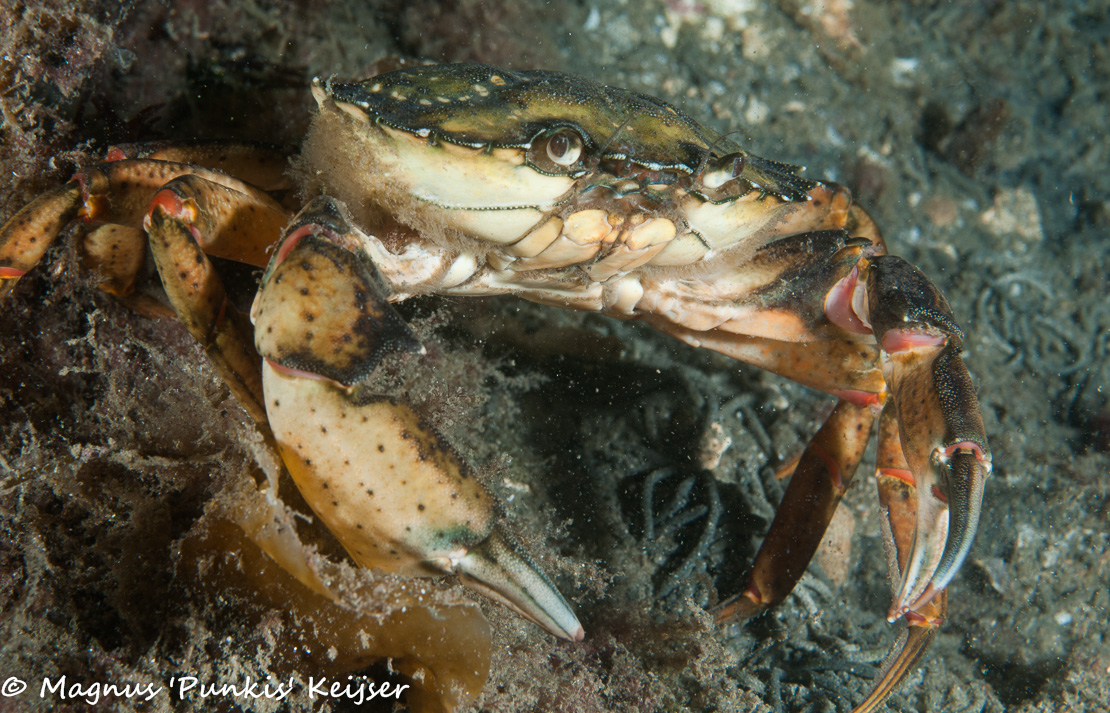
(819, 481)
(260, 165)
(840, 367)
(391, 490)
(118, 193)
(188, 218)
(25, 238)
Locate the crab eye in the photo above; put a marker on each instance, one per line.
(564, 147)
(557, 152)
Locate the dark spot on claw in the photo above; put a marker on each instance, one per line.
(420, 507)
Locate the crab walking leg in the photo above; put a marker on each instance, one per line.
(394, 494)
(261, 165)
(898, 500)
(25, 238)
(116, 254)
(228, 219)
(819, 481)
(840, 367)
(118, 193)
(187, 218)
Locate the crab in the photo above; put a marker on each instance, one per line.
(471, 180)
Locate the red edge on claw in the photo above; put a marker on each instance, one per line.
(972, 446)
(292, 239)
(172, 205)
(900, 340)
(861, 399)
(115, 153)
(7, 273)
(290, 372)
(900, 473)
(838, 304)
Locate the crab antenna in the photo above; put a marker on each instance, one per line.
(613, 137)
(709, 151)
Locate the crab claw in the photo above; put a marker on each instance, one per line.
(383, 481)
(939, 425)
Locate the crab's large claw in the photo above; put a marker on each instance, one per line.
(395, 495)
(939, 425)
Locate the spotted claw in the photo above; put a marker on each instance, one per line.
(394, 494)
(940, 430)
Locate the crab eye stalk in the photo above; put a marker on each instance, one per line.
(556, 152)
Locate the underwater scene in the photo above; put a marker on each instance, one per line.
(402, 477)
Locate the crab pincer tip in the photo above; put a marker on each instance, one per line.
(948, 509)
(498, 569)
